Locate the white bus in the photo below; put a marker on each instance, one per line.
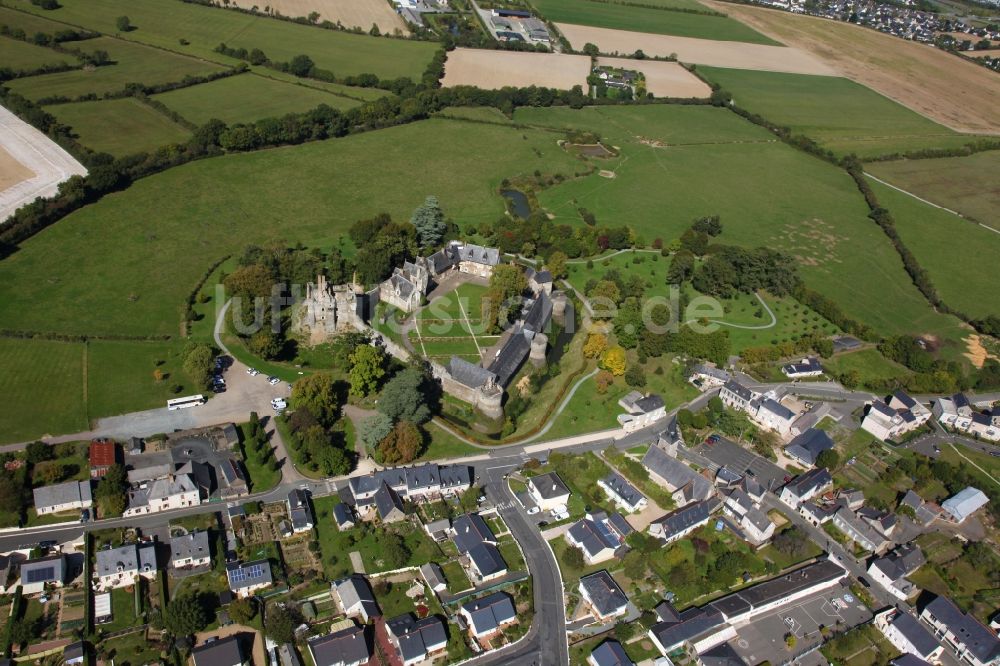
(184, 403)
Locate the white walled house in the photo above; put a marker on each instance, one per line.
(804, 487)
(891, 571)
(69, 496)
(190, 550)
(174, 491)
(625, 496)
(641, 411)
(548, 491)
(908, 636)
(120, 567)
(895, 418)
(961, 633)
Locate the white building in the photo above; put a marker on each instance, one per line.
(42, 572)
(753, 522)
(604, 596)
(122, 566)
(807, 367)
(892, 420)
(190, 550)
(804, 487)
(961, 633)
(174, 491)
(708, 377)
(69, 496)
(891, 571)
(247, 578)
(963, 504)
(625, 496)
(641, 411)
(548, 491)
(956, 412)
(908, 636)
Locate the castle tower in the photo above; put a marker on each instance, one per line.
(539, 345)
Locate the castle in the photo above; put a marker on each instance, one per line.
(329, 310)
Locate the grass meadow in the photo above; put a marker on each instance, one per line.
(648, 19)
(968, 185)
(119, 126)
(798, 204)
(245, 98)
(871, 366)
(133, 63)
(452, 325)
(41, 387)
(23, 57)
(165, 24)
(30, 23)
(157, 238)
(843, 116)
(959, 255)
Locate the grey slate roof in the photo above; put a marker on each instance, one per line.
(346, 646)
(488, 256)
(355, 591)
(539, 314)
(433, 575)
(691, 623)
(979, 640)
(44, 570)
(620, 525)
(470, 374)
(683, 518)
(192, 545)
(721, 655)
(416, 637)
(805, 483)
(129, 557)
(610, 653)
(549, 485)
(650, 403)
(342, 514)
(490, 612)
(62, 493)
(742, 391)
(300, 511)
(590, 538)
(387, 500)
(810, 364)
(470, 531)
(915, 633)
(247, 574)
(604, 592)
(510, 358)
(676, 473)
(807, 446)
(778, 588)
(908, 660)
(623, 488)
(487, 559)
(220, 652)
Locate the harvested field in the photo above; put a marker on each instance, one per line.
(948, 89)
(663, 79)
(738, 55)
(496, 69)
(31, 164)
(350, 14)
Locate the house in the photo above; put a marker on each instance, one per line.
(434, 577)
(231, 474)
(220, 652)
(603, 595)
(682, 521)
(103, 454)
(805, 448)
(756, 527)
(609, 653)
(299, 511)
(708, 377)
(190, 550)
(486, 562)
(685, 484)
(174, 491)
(406, 287)
(343, 516)
(807, 367)
(891, 570)
(859, 531)
(417, 640)
(388, 504)
(908, 660)
(487, 615)
(287, 656)
(548, 491)
(737, 396)
(345, 647)
(853, 499)
(699, 628)
(74, 653)
(804, 487)
(476, 259)
(38, 573)
(963, 504)
(641, 411)
(961, 633)
(69, 496)
(721, 655)
(922, 513)
(356, 598)
(200, 475)
(901, 401)
(422, 482)
(470, 531)
(815, 514)
(907, 635)
(247, 578)
(122, 566)
(955, 411)
(893, 419)
(438, 529)
(539, 281)
(882, 522)
(770, 414)
(598, 535)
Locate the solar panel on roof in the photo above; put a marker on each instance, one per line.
(41, 575)
(606, 533)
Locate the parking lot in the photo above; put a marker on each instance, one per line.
(763, 638)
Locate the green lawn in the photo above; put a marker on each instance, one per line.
(119, 126)
(28, 22)
(165, 24)
(246, 98)
(23, 57)
(120, 376)
(798, 204)
(963, 184)
(647, 19)
(159, 243)
(42, 388)
(873, 369)
(840, 114)
(132, 63)
(262, 477)
(454, 574)
(954, 251)
(444, 445)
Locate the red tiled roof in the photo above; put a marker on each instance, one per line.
(103, 453)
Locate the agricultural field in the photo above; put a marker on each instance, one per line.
(360, 14)
(23, 57)
(958, 254)
(872, 368)
(132, 63)
(54, 371)
(838, 113)
(954, 92)
(121, 376)
(967, 185)
(798, 204)
(492, 70)
(452, 325)
(668, 4)
(246, 98)
(648, 19)
(739, 55)
(202, 28)
(663, 79)
(159, 244)
(119, 126)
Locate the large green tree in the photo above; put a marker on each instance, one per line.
(111, 491)
(428, 219)
(186, 615)
(402, 445)
(367, 370)
(321, 394)
(409, 396)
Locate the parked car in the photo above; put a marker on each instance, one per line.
(253, 372)
(273, 380)
(533, 510)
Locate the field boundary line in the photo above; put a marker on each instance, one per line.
(468, 325)
(931, 203)
(420, 338)
(973, 463)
